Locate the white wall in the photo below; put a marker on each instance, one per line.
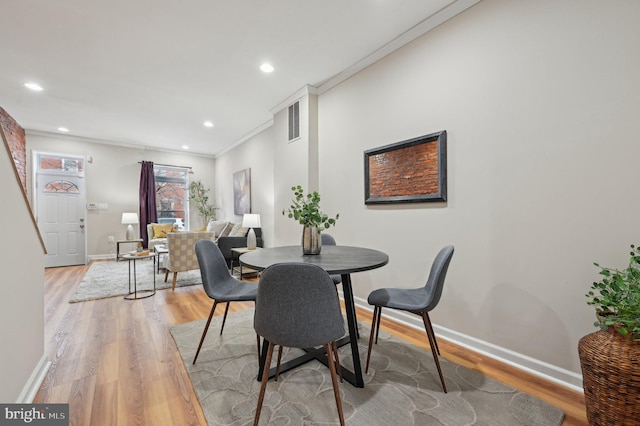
(539, 102)
(22, 303)
(114, 178)
(296, 163)
(276, 165)
(256, 154)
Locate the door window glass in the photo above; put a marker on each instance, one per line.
(61, 186)
(51, 163)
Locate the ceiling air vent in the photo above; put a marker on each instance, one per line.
(294, 121)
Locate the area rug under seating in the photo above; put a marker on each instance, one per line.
(402, 387)
(108, 279)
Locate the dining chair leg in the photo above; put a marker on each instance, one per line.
(166, 275)
(334, 380)
(334, 347)
(204, 332)
(378, 323)
(374, 321)
(278, 363)
(263, 386)
(224, 318)
(433, 344)
(258, 341)
(175, 278)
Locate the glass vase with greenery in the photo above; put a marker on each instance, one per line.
(616, 297)
(305, 208)
(199, 195)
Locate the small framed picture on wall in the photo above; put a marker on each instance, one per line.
(242, 192)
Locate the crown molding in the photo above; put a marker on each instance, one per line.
(403, 39)
(246, 137)
(75, 138)
(301, 93)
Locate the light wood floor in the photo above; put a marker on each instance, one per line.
(115, 362)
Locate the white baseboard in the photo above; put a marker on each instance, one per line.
(35, 381)
(534, 366)
(102, 257)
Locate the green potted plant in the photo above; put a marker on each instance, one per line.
(617, 297)
(610, 357)
(305, 208)
(199, 195)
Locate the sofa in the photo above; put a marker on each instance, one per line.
(231, 235)
(225, 244)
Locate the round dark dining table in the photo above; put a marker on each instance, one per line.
(334, 259)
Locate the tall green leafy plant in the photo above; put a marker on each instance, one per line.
(199, 195)
(616, 297)
(305, 208)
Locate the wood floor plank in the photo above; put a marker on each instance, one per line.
(80, 395)
(105, 404)
(115, 362)
(109, 367)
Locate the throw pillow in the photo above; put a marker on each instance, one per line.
(203, 229)
(227, 229)
(216, 226)
(161, 231)
(238, 231)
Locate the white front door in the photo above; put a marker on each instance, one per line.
(60, 200)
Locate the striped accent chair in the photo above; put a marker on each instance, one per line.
(182, 254)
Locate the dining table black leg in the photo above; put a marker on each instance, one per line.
(352, 322)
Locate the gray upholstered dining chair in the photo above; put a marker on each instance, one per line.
(328, 240)
(297, 307)
(416, 300)
(219, 284)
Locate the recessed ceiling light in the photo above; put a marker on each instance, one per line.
(208, 124)
(33, 86)
(185, 147)
(63, 129)
(266, 67)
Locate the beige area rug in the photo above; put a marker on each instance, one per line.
(402, 387)
(109, 279)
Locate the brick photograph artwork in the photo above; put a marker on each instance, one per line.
(409, 171)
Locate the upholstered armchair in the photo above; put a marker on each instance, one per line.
(182, 254)
(157, 234)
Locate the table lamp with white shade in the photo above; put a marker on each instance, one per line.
(251, 221)
(129, 219)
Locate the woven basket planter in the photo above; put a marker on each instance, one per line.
(611, 378)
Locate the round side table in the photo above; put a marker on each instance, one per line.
(131, 258)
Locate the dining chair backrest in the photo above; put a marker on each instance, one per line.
(297, 306)
(216, 278)
(435, 282)
(327, 239)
